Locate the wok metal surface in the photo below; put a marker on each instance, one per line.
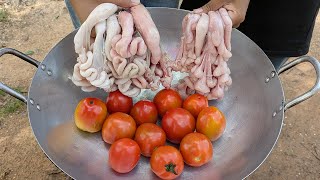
(251, 129)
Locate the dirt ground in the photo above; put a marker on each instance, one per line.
(35, 26)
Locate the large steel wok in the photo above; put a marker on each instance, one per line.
(254, 108)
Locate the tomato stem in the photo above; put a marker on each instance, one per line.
(90, 102)
(170, 168)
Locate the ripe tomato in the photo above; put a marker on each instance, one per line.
(124, 155)
(196, 149)
(167, 162)
(90, 114)
(211, 122)
(118, 102)
(149, 136)
(144, 112)
(167, 99)
(195, 103)
(118, 125)
(177, 123)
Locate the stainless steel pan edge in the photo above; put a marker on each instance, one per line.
(33, 106)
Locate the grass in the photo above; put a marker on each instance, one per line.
(10, 107)
(2, 93)
(3, 15)
(29, 53)
(10, 104)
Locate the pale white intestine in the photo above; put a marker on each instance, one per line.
(113, 28)
(89, 72)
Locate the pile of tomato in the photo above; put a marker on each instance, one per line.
(133, 130)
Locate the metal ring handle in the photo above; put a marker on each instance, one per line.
(24, 57)
(315, 63)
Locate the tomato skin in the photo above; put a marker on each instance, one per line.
(118, 125)
(177, 123)
(211, 122)
(167, 99)
(196, 149)
(144, 112)
(195, 104)
(118, 102)
(124, 155)
(90, 114)
(149, 136)
(164, 159)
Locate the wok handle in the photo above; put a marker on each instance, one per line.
(315, 63)
(24, 57)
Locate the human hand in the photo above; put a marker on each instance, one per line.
(84, 8)
(122, 3)
(237, 9)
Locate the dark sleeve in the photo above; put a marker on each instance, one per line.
(279, 27)
(192, 4)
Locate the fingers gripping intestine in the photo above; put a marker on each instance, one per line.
(117, 58)
(127, 44)
(148, 30)
(126, 23)
(209, 38)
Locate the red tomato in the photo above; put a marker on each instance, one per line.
(149, 136)
(118, 125)
(124, 155)
(90, 114)
(118, 102)
(167, 162)
(144, 112)
(196, 149)
(195, 103)
(177, 123)
(167, 99)
(211, 122)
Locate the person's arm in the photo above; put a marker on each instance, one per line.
(237, 9)
(84, 7)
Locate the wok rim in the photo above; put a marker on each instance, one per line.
(70, 33)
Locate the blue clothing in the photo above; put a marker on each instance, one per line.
(75, 20)
(148, 3)
(160, 3)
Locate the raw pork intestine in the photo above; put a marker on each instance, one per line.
(125, 54)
